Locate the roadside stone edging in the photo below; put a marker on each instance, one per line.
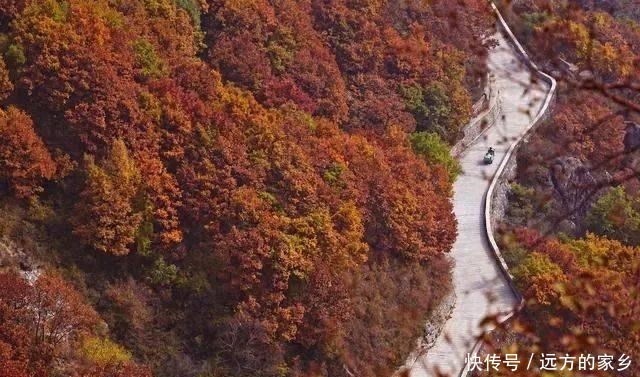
(507, 168)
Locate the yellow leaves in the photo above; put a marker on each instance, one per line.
(337, 239)
(584, 302)
(260, 125)
(598, 43)
(609, 59)
(295, 254)
(103, 351)
(105, 217)
(607, 53)
(537, 264)
(569, 302)
(249, 207)
(601, 19)
(348, 222)
(151, 106)
(539, 276)
(162, 8)
(150, 63)
(452, 61)
(57, 10)
(364, 146)
(579, 35)
(602, 253)
(98, 17)
(122, 168)
(281, 49)
(42, 21)
(591, 251)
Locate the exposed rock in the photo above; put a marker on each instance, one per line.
(586, 75)
(434, 326)
(631, 159)
(437, 319)
(567, 227)
(573, 183)
(14, 257)
(632, 137)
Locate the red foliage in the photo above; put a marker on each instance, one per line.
(581, 299)
(38, 322)
(25, 161)
(9, 9)
(235, 181)
(5, 84)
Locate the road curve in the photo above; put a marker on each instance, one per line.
(480, 285)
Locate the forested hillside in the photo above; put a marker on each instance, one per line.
(228, 188)
(572, 225)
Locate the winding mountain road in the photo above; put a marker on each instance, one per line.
(480, 286)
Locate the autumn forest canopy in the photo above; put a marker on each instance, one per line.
(228, 188)
(263, 188)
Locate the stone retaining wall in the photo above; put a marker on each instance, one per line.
(480, 123)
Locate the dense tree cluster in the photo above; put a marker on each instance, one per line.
(234, 183)
(589, 37)
(367, 65)
(582, 298)
(42, 324)
(25, 162)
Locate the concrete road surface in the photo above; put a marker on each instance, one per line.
(480, 287)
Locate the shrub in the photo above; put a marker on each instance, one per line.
(5, 83)
(430, 106)
(105, 216)
(538, 277)
(151, 65)
(162, 274)
(333, 174)
(25, 161)
(391, 301)
(435, 150)
(615, 215)
(103, 351)
(281, 49)
(15, 56)
(521, 207)
(192, 8)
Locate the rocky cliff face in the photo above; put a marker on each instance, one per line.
(632, 137)
(573, 183)
(577, 185)
(13, 257)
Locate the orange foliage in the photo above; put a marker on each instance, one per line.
(38, 323)
(107, 219)
(25, 161)
(5, 84)
(581, 298)
(233, 180)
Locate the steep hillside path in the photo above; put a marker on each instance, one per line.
(480, 286)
